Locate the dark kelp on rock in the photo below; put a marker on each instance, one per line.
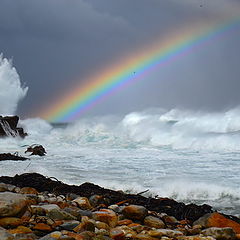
(171, 207)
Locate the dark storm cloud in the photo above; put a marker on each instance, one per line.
(53, 41)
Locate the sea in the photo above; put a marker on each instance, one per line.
(190, 156)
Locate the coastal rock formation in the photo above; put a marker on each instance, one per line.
(8, 127)
(13, 157)
(36, 150)
(49, 216)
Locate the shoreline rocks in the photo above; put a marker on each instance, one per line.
(101, 196)
(88, 212)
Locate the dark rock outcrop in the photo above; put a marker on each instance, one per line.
(8, 127)
(36, 150)
(9, 156)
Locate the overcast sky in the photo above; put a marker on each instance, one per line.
(55, 44)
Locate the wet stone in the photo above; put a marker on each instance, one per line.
(107, 216)
(11, 204)
(69, 225)
(59, 214)
(135, 212)
(158, 233)
(220, 233)
(153, 222)
(10, 222)
(83, 203)
(4, 235)
(217, 220)
(117, 233)
(28, 190)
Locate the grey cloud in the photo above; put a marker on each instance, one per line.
(57, 43)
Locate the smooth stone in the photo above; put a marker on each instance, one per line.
(25, 236)
(115, 208)
(196, 237)
(11, 204)
(69, 225)
(85, 226)
(220, 233)
(117, 233)
(46, 207)
(73, 235)
(42, 227)
(6, 187)
(56, 235)
(169, 219)
(102, 225)
(154, 222)
(217, 220)
(28, 190)
(20, 229)
(142, 236)
(58, 214)
(95, 200)
(124, 222)
(135, 212)
(4, 235)
(83, 203)
(106, 215)
(158, 233)
(3, 187)
(75, 211)
(10, 222)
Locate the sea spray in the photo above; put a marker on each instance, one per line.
(187, 155)
(11, 90)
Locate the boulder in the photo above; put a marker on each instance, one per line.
(11, 204)
(217, 220)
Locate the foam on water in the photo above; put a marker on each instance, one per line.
(190, 156)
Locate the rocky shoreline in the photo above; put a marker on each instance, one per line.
(33, 206)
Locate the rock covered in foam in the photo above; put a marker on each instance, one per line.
(8, 127)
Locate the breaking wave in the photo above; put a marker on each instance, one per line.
(11, 90)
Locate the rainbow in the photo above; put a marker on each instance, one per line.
(132, 68)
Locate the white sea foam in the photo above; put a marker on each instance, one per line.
(11, 91)
(190, 156)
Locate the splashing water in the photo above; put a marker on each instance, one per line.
(11, 91)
